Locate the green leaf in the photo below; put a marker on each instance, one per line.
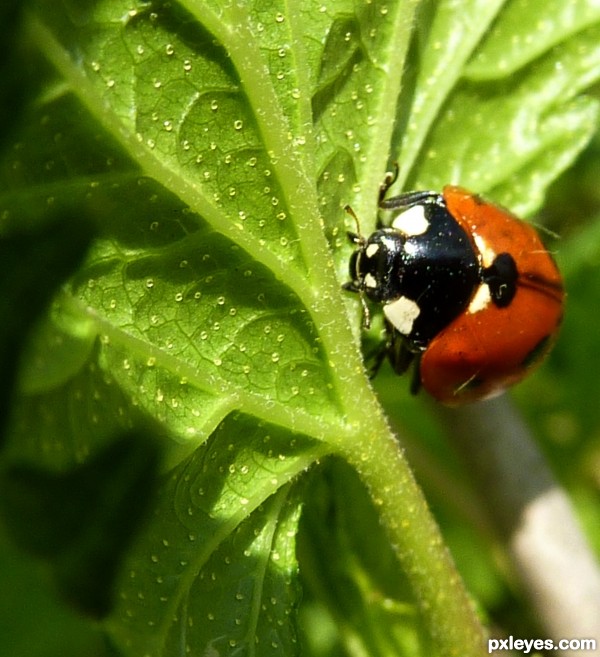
(33, 622)
(15, 89)
(508, 133)
(214, 144)
(32, 265)
(84, 519)
(514, 41)
(217, 566)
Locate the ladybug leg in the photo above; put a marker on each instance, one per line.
(406, 200)
(401, 358)
(384, 349)
(415, 383)
(410, 199)
(388, 181)
(375, 360)
(399, 355)
(355, 238)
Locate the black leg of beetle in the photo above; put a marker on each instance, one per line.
(375, 359)
(355, 238)
(409, 199)
(398, 353)
(388, 181)
(415, 382)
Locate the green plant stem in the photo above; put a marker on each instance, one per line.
(445, 605)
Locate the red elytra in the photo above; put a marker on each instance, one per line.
(481, 353)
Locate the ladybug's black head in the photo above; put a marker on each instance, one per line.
(374, 263)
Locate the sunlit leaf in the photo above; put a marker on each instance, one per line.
(214, 145)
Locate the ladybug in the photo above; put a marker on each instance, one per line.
(469, 293)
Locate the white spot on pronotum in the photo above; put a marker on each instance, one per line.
(370, 281)
(371, 250)
(481, 300)
(412, 221)
(402, 313)
(488, 255)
